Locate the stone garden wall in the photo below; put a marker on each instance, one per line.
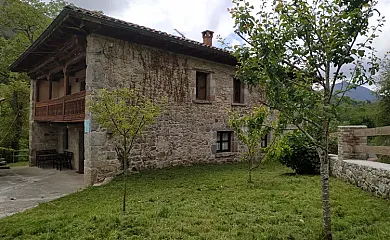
(351, 163)
(370, 176)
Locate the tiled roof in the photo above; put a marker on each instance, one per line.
(133, 25)
(58, 33)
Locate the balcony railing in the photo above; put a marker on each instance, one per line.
(70, 108)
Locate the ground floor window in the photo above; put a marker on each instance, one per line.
(224, 141)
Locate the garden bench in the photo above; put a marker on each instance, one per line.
(64, 159)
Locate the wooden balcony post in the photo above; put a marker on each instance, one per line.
(66, 81)
(50, 86)
(66, 88)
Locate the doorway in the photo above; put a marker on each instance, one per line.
(81, 152)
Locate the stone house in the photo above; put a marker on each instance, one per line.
(83, 51)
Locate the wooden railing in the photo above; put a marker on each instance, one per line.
(368, 132)
(70, 108)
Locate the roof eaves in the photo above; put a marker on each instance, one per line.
(56, 23)
(145, 30)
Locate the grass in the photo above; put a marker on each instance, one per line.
(205, 202)
(18, 164)
(383, 159)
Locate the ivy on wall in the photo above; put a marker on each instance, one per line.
(155, 72)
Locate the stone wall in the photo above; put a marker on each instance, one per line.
(370, 176)
(349, 143)
(42, 136)
(186, 131)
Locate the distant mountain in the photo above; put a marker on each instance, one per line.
(360, 93)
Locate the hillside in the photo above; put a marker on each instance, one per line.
(361, 93)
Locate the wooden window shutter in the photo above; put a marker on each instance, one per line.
(201, 86)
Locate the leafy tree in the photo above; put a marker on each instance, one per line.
(297, 50)
(383, 116)
(383, 107)
(16, 96)
(126, 113)
(352, 112)
(250, 129)
(21, 22)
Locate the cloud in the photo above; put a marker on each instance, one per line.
(193, 17)
(189, 17)
(109, 7)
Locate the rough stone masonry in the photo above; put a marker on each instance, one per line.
(351, 163)
(186, 131)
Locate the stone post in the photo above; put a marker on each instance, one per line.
(348, 143)
(31, 140)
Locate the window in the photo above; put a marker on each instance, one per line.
(82, 85)
(201, 85)
(69, 91)
(37, 93)
(264, 141)
(224, 141)
(238, 90)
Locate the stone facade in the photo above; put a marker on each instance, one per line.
(349, 143)
(186, 131)
(45, 135)
(370, 176)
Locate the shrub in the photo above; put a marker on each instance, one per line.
(298, 153)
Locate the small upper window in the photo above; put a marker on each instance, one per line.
(238, 91)
(224, 141)
(201, 85)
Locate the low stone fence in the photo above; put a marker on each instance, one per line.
(351, 163)
(370, 176)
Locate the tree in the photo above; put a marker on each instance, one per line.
(353, 112)
(21, 22)
(16, 97)
(126, 113)
(297, 50)
(250, 129)
(383, 117)
(383, 107)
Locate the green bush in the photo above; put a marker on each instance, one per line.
(298, 153)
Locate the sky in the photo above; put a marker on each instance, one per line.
(191, 17)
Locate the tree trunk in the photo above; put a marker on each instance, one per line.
(125, 168)
(250, 165)
(326, 213)
(324, 158)
(324, 169)
(124, 181)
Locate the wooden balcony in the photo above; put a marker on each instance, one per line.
(70, 108)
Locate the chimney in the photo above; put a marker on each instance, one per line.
(208, 37)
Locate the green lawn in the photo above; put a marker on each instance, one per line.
(18, 164)
(206, 202)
